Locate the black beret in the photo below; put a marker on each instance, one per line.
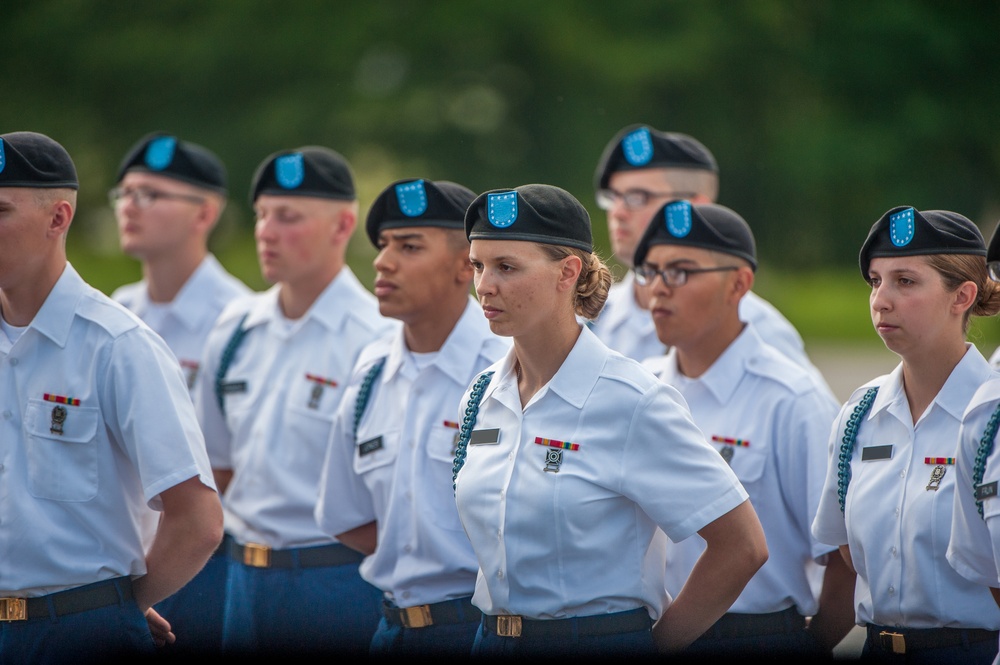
(29, 159)
(312, 171)
(706, 226)
(903, 231)
(642, 147)
(993, 249)
(535, 213)
(418, 203)
(165, 155)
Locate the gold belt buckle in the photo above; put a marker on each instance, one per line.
(894, 642)
(508, 625)
(258, 556)
(418, 616)
(13, 609)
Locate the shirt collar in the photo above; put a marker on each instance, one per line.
(186, 307)
(331, 309)
(970, 373)
(458, 355)
(723, 377)
(55, 318)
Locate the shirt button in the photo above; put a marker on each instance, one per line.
(407, 549)
(893, 550)
(892, 590)
(902, 474)
(406, 594)
(7, 415)
(500, 574)
(14, 361)
(896, 512)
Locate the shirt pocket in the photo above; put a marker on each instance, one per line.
(307, 435)
(747, 462)
(62, 451)
(375, 451)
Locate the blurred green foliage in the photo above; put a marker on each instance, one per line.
(822, 114)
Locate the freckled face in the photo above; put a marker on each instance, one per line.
(516, 285)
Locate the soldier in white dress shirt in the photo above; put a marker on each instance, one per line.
(393, 445)
(168, 197)
(767, 416)
(563, 482)
(273, 375)
(888, 499)
(97, 427)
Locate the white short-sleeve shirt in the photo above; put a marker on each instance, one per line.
(397, 470)
(898, 507)
(188, 318)
(970, 550)
(281, 392)
(771, 419)
(567, 510)
(95, 423)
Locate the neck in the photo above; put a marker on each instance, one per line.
(540, 356)
(696, 358)
(20, 303)
(924, 377)
(166, 276)
(296, 298)
(424, 334)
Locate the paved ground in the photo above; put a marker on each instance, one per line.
(848, 366)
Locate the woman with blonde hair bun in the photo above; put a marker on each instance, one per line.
(574, 463)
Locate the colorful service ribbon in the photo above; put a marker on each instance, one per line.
(939, 460)
(729, 441)
(319, 379)
(72, 401)
(552, 443)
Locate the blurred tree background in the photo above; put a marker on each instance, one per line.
(822, 114)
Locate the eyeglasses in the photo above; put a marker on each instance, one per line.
(143, 198)
(635, 198)
(671, 276)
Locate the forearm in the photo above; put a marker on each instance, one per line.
(190, 530)
(736, 549)
(835, 617)
(363, 538)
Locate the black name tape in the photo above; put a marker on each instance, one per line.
(233, 387)
(986, 491)
(872, 453)
(370, 446)
(485, 436)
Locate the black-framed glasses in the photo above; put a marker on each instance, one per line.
(672, 276)
(143, 198)
(635, 198)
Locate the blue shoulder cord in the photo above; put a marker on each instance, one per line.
(471, 412)
(227, 359)
(847, 444)
(365, 392)
(985, 449)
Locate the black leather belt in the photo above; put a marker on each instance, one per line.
(734, 625)
(908, 640)
(506, 625)
(71, 601)
(262, 556)
(459, 610)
